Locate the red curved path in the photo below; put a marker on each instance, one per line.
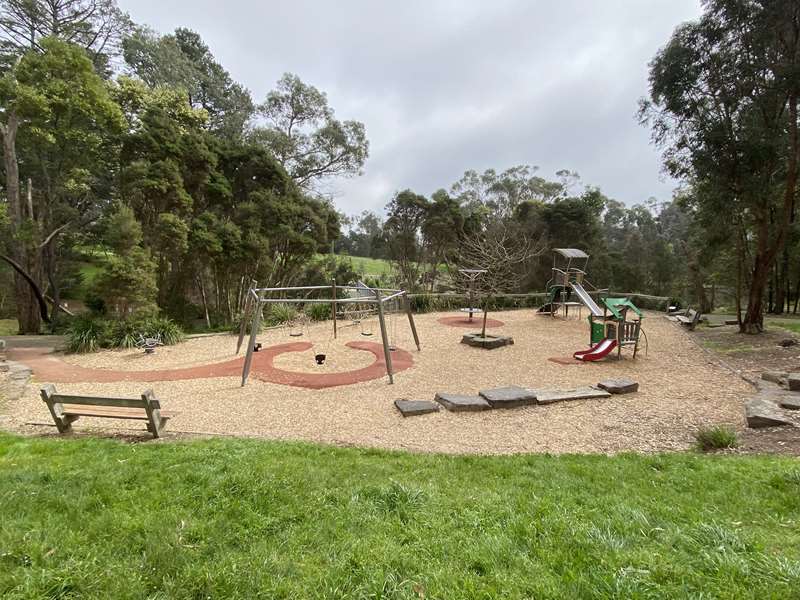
(477, 321)
(48, 367)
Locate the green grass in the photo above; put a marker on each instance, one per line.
(244, 519)
(788, 324)
(716, 438)
(729, 348)
(8, 327)
(371, 267)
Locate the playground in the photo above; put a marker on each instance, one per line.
(681, 388)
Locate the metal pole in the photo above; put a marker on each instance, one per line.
(469, 298)
(248, 359)
(333, 307)
(385, 338)
(248, 302)
(411, 322)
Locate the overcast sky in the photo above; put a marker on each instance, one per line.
(445, 86)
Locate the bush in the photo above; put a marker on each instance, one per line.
(124, 334)
(169, 332)
(237, 323)
(281, 313)
(716, 438)
(89, 333)
(318, 311)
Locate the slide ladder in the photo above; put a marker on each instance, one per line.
(587, 299)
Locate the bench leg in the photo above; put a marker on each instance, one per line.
(155, 421)
(62, 421)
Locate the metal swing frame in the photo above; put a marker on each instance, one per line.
(257, 298)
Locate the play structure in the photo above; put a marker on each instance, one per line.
(614, 323)
(363, 300)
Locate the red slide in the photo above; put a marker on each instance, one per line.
(601, 350)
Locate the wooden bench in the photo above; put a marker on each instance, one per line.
(690, 319)
(67, 409)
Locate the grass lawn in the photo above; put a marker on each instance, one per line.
(788, 324)
(8, 327)
(245, 519)
(375, 266)
(371, 266)
(367, 266)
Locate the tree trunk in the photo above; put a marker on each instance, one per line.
(766, 253)
(753, 321)
(203, 296)
(28, 313)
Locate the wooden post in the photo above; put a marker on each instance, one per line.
(63, 424)
(411, 321)
(387, 353)
(256, 323)
(333, 307)
(152, 408)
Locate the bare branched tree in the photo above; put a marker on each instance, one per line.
(505, 252)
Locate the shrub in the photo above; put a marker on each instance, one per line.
(318, 311)
(169, 332)
(716, 438)
(87, 333)
(279, 314)
(124, 334)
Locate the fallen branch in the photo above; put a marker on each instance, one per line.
(36, 290)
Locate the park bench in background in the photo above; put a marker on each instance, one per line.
(690, 319)
(67, 409)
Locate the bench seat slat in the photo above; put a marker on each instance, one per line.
(95, 401)
(82, 410)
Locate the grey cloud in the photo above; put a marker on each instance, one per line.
(445, 86)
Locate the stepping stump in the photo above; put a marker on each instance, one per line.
(412, 408)
(550, 396)
(619, 386)
(508, 397)
(487, 342)
(461, 403)
(762, 411)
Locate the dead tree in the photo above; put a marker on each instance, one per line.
(504, 252)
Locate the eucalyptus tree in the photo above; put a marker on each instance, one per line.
(723, 103)
(503, 192)
(303, 133)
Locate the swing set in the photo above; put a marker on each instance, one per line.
(362, 299)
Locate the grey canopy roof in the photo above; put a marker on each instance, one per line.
(571, 252)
